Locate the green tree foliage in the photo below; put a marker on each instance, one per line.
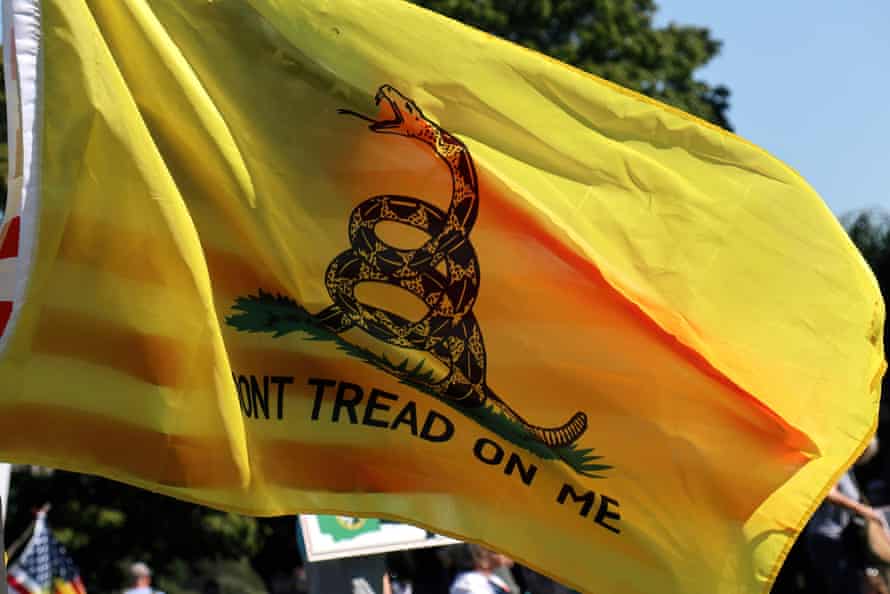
(108, 525)
(614, 39)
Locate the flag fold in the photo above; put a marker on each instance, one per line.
(356, 258)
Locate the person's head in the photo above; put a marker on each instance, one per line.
(478, 558)
(140, 574)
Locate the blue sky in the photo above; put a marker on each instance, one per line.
(810, 83)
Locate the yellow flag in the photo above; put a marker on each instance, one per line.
(352, 257)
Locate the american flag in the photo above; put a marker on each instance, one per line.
(10, 230)
(44, 566)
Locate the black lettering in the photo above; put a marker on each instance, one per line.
(497, 455)
(282, 381)
(238, 390)
(447, 428)
(408, 416)
(320, 385)
(568, 491)
(373, 405)
(244, 395)
(260, 399)
(350, 403)
(603, 512)
(526, 474)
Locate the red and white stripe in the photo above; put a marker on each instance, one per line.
(21, 19)
(21, 582)
(9, 251)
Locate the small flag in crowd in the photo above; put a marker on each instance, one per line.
(44, 566)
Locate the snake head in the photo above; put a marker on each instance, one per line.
(398, 114)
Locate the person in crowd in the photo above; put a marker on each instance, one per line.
(478, 575)
(504, 570)
(140, 583)
(429, 571)
(835, 549)
(400, 571)
(532, 581)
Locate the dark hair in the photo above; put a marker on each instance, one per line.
(468, 557)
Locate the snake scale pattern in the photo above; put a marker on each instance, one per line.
(449, 330)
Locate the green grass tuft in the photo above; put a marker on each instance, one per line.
(279, 315)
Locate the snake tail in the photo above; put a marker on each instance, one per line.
(554, 437)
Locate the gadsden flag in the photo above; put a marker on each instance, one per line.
(336, 256)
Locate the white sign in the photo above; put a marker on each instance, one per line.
(335, 537)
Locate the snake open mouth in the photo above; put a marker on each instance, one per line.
(387, 103)
(387, 99)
